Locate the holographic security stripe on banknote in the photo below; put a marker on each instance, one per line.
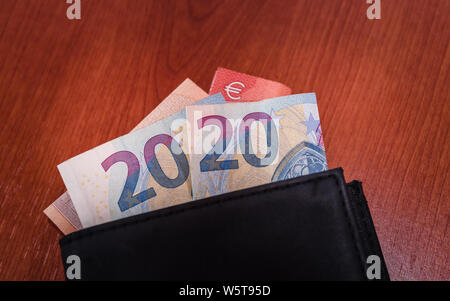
(240, 87)
(240, 145)
(62, 212)
(143, 171)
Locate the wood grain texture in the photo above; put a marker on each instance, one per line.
(382, 87)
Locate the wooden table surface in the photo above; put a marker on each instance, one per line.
(382, 86)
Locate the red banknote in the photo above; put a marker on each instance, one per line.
(242, 87)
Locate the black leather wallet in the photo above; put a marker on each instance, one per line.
(314, 227)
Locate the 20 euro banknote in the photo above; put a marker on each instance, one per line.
(239, 145)
(143, 171)
(62, 211)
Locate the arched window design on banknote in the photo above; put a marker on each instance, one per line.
(303, 159)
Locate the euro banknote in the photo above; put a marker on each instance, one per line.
(241, 87)
(145, 170)
(239, 145)
(62, 211)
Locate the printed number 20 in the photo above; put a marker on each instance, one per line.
(127, 198)
(210, 162)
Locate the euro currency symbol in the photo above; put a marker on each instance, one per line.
(74, 269)
(230, 89)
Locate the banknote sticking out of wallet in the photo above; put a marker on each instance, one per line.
(226, 186)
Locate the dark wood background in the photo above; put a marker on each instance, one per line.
(382, 87)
